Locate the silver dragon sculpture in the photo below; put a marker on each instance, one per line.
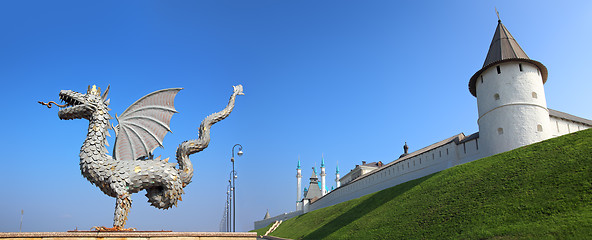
(141, 128)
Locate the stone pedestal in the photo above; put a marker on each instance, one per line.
(136, 235)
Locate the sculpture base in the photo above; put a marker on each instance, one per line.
(137, 235)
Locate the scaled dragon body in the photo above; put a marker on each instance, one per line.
(140, 130)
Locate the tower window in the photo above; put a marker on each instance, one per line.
(540, 128)
(481, 78)
(500, 131)
(538, 72)
(499, 70)
(520, 66)
(496, 96)
(534, 95)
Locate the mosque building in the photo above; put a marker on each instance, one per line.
(512, 112)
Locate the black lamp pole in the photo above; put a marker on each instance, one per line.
(233, 188)
(228, 207)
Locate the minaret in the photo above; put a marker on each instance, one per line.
(298, 185)
(337, 183)
(323, 188)
(510, 96)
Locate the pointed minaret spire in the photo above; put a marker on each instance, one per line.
(337, 177)
(298, 186)
(504, 48)
(323, 183)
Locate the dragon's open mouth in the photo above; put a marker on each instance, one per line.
(74, 106)
(70, 101)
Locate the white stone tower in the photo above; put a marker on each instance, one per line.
(323, 182)
(337, 183)
(510, 97)
(299, 186)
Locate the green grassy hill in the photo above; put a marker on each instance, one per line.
(542, 190)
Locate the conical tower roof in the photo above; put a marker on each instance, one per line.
(267, 215)
(504, 48)
(314, 175)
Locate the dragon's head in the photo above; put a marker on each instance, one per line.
(87, 106)
(238, 89)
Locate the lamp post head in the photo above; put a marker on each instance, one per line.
(240, 150)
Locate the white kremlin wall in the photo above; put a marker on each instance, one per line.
(434, 158)
(439, 156)
(431, 159)
(561, 126)
(282, 217)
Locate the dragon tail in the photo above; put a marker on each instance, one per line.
(194, 146)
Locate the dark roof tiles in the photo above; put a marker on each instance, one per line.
(503, 46)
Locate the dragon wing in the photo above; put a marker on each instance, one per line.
(142, 126)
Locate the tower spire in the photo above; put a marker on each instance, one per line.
(498, 18)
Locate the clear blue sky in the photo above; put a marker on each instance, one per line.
(352, 80)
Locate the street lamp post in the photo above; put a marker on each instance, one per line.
(228, 207)
(233, 188)
(231, 199)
